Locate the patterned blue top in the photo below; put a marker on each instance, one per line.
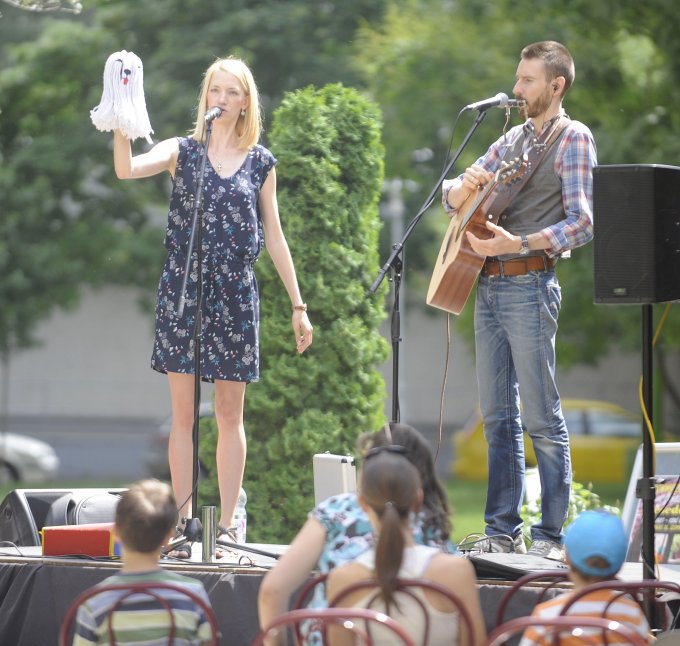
(349, 533)
(232, 239)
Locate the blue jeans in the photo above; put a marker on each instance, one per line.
(515, 328)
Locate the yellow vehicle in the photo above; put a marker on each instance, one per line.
(603, 437)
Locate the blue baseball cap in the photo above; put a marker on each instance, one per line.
(596, 533)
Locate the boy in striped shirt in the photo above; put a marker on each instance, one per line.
(595, 545)
(146, 516)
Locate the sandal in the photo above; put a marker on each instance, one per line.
(183, 550)
(228, 532)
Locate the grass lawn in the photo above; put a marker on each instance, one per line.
(467, 500)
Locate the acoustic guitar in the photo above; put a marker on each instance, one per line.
(458, 266)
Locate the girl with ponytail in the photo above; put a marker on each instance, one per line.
(391, 494)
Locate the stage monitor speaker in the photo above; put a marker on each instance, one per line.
(510, 567)
(24, 512)
(636, 214)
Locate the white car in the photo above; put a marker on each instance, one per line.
(26, 459)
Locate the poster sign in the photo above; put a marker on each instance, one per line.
(666, 522)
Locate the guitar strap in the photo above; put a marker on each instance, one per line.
(536, 154)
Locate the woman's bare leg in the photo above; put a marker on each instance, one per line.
(231, 445)
(180, 444)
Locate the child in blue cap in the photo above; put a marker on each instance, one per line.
(595, 545)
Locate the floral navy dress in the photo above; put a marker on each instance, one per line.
(232, 238)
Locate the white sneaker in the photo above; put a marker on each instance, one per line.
(501, 543)
(547, 549)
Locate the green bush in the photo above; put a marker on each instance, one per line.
(581, 498)
(329, 172)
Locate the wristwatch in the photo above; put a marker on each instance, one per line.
(524, 249)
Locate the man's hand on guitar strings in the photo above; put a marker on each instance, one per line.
(501, 243)
(475, 177)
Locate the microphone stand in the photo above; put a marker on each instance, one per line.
(193, 528)
(395, 264)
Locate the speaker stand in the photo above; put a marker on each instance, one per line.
(646, 486)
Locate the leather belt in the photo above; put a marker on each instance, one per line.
(516, 266)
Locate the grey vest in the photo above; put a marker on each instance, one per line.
(539, 203)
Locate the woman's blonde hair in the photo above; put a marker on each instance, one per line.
(249, 126)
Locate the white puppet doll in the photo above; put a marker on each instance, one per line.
(122, 106)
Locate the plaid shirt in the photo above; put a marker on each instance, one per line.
(574, 162)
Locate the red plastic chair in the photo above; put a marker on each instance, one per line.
(358, 620)
(550, 578)
(149, 589)
(303, 597)
(406, 586)
(638, 590)
(575, 625)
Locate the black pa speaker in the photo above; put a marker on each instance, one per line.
(636, 219)
(24, 512)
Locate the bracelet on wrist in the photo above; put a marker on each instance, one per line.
(301, 308)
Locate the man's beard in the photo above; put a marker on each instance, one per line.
(538, 107)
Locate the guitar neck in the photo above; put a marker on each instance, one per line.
(479, 198)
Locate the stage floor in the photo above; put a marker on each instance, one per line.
(35, 591)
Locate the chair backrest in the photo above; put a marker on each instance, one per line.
(303, 597)
(148, 590)
(305, 592)
(549, 579)
(406, 587)
(575, 625)
(357, 620)
(634, 589)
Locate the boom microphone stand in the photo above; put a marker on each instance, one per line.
(395, 263)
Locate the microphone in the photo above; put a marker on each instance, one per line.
(215, 112)
(498, 101)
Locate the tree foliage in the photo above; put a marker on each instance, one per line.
(330, 162)
(46, 5)
(66, 220)
(421, 60)
(62, 224)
